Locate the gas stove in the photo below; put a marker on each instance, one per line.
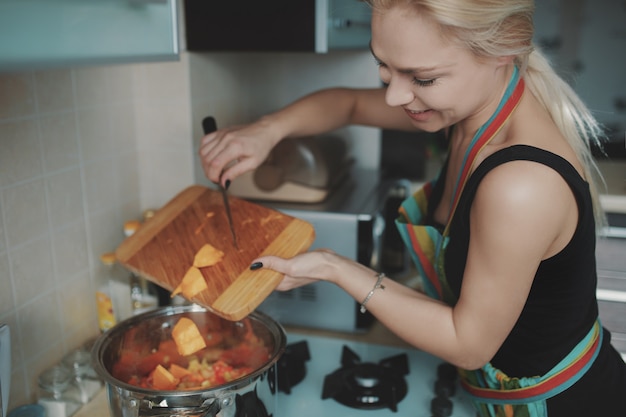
(389, 381)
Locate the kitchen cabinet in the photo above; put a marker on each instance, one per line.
(278, 25)
(52, 33)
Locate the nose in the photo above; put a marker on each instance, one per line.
(399, 92)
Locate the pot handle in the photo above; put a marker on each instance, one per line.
(211, 410)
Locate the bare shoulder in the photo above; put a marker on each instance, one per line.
(526, 197)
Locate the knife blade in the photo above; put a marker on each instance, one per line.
(209, 125)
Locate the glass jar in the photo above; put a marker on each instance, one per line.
(58, 393)
(85, 377)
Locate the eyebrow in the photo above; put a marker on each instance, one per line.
(408, 70)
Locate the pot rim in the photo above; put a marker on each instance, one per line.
(104, 339)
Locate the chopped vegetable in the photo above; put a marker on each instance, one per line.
(179, 372)
(192, 284)
(187, 337)
(207, 256)
(230, 353)
(163, 380)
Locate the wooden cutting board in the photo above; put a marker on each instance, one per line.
(163, 248)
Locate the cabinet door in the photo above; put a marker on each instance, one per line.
(277, 25)
(49, 33)
(250, 25)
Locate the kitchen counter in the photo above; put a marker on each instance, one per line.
(97, 407)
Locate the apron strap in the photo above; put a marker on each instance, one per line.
(527, 390)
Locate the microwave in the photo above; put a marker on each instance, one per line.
(356, 221)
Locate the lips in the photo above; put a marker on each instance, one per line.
(419, 115)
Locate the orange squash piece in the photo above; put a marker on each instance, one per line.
(178, 371)
(192, 283)
(207, 256)
(187, 337)
(163, 380)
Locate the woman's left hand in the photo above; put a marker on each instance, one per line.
(306, 268)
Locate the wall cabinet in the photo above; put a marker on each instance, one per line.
(277, 25)
(49, 33)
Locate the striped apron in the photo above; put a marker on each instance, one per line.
(493, 393)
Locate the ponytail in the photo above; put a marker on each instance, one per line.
(571, 116)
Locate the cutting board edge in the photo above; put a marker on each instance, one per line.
(133, 244)
(223, 304)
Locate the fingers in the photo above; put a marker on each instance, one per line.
(274, 263)
(228, 153)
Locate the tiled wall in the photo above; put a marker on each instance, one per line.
(84, 149)
(81, 151)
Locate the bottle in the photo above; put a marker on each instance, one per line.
(113, 296)
(143, 293)
(104, 300)
(57, 392)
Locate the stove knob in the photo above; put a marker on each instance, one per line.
(441, 407)
(445, 388)
(447, 371)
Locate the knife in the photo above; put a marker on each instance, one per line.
(209, 126)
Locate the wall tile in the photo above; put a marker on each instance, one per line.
(164, 174)
(3, 246)
(78, 305)
(106, 232)
(42, 359)
(17, 96)
(65, 197)
(162, 82)
(25, 212)
(70, 251)
(59, 141)
(20, 152)
(127, 169)
(164, 125)
(94, 133)
(122, 133)
(54, 91)
(100, 184)
(92, 87)
(42, 317)
(33, 272)
(6, 283)
(120, 83)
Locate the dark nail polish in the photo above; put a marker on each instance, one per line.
(227, 184)
(256, 265)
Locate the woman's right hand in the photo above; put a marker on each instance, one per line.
(227, 153)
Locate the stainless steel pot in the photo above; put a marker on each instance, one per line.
(252, 395)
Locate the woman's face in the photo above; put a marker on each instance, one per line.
(437, 82)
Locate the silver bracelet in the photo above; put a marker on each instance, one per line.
(378, 285)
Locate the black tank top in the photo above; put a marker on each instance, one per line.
(561, 306)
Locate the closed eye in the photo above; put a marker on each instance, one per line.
(424, 83)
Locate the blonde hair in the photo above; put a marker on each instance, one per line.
(495, 28)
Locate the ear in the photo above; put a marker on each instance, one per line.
(503, 61)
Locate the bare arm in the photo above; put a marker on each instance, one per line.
(505, 251)
(317, 113)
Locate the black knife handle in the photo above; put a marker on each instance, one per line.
(209, 125)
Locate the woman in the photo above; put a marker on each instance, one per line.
(504, 237)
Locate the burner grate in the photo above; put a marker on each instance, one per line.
(291, 366)
(366, 385)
